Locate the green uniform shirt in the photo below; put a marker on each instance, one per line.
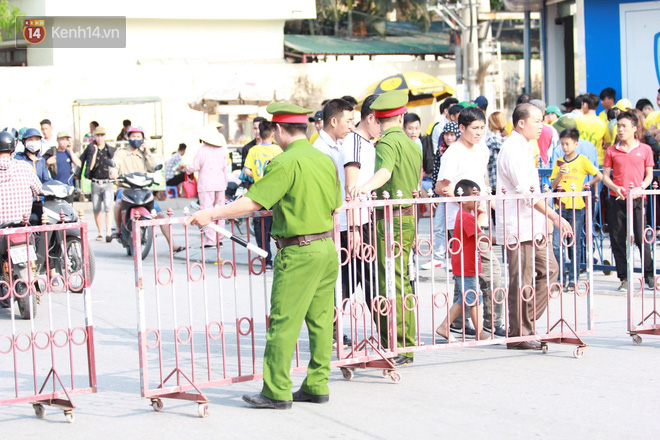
(397, 153)
(302, 188)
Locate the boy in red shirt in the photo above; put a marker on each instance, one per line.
(466, 262)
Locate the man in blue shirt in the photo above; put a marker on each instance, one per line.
(66, 159)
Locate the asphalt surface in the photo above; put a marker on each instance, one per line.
(476, 392)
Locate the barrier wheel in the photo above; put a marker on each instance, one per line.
(637, 339)
(39, 410)
(386, 372)
(607, 263)
(348, 373)
(395, 377)
(578, 352)
(203, 410)
(69, 416)
(157, 405)
(544, 348)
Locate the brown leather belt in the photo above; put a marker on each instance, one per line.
(409, 210)
(301, 240)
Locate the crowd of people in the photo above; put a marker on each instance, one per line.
(469, 151)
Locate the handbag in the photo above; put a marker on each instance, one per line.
(189, 185)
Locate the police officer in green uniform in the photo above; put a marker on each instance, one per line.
(302, 187)
(398, 168)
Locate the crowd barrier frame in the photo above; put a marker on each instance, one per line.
(55, 341)
(190, 349)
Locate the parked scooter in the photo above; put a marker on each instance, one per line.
(17, 252)
(136, 199)
(58, 208)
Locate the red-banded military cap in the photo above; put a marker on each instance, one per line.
(391, 103)
(288, 113)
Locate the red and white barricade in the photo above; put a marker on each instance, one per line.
(46, 331)
(203, 313)
(642, 263)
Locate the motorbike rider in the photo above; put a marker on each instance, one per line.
(32, 155)
(136, 158)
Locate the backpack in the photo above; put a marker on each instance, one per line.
(428, 151)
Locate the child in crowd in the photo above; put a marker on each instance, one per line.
(466, 262)
(572, 170)
(450, 134)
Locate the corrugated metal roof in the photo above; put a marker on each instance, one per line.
(330, 45)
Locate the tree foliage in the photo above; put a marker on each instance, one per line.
(8, 15)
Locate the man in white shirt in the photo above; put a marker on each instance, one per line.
(358, 155)
(467, 158)
(338, 121)
(520, 222)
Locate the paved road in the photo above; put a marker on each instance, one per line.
(478, 392)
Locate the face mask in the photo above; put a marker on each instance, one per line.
(135, 143)
(33, 146)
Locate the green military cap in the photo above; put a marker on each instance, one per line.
(564, 122)
(391, 103)
(288, 113)
(466, 104)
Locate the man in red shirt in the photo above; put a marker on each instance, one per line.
(629, 161)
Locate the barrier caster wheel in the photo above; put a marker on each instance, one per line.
(395, 377)
(157, 405)
(578, 352)
(39, 410)
(203, 410)
(69, 416)
(544, 348)
(386, 373)
(348, 373)
(607, 263)
(637, 339)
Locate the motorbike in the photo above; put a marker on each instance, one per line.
(137, 201)
(58, 208)
(17, 251)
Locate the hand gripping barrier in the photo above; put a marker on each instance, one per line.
(641, 268)
(47, 356)
(203, 316)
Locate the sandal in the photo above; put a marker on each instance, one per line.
(99, 237)
(179, 249)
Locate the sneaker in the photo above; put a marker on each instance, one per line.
(650, 282)
(269, 266)
(570, 287)
(500, 332)
(433, 263)
(347, 340)
(624, 286)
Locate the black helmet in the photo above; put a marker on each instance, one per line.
(6, 142)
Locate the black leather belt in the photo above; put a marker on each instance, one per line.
(301, 240)
(102, 181)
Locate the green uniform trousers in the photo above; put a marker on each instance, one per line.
(303, 289)
(407, 240)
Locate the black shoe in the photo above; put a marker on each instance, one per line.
(402, 360)
(301, 396)
(469, 331)
(650, 282)
(500, 331)
(261, 401)
(347, 340)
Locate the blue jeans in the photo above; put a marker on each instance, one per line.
(578, 230)
(469, 285)
(439, 233)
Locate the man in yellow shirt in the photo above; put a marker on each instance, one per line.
(607, 99)
(591, 127)
(255, 166)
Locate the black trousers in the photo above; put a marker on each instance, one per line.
(358, 272)
(176, 180)
(263, 239)
(617, 220)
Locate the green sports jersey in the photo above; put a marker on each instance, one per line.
(302, 187)
(397, 153)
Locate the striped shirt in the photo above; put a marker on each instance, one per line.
(356, 150)
(18, 186)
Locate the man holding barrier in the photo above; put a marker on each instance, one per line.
(301, 186)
